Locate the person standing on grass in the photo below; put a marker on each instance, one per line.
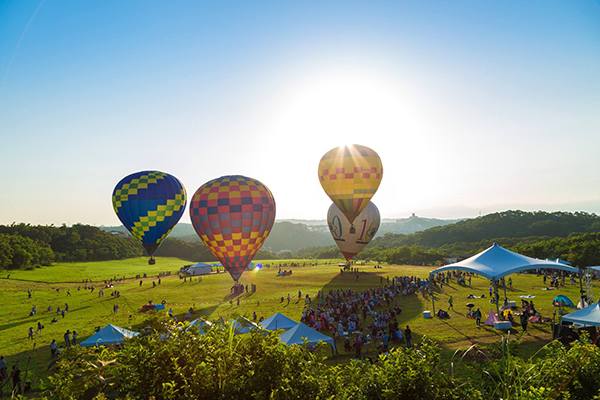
(16, 378)
(74, 340)
(450, 303)
(30, 333)
(478, 317)
(358, 343)
(67, 338)
(3, 369)
(53, 347)
(524, 321)
(408, 336)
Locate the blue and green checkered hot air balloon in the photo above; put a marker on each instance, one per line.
(149, 204)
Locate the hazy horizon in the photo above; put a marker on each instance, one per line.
(473, 107)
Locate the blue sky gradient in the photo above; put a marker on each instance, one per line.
(472, 105)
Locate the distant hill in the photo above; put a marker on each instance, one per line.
(412, 224)
(295, 234)
(508, 224)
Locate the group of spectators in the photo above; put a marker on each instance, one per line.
(346, 312)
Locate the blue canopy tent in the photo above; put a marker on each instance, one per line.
(588, 316)
(243, 325)
(496, 262)
(298, 333)
(278, 321)
(201, 324)
(108, 335)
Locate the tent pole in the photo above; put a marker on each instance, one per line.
(581, 291)
(496, 294)
(431, 283)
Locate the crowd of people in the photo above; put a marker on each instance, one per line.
(345, 313)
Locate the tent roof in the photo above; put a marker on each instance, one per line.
(201, 324)
(243, 325)
(297, 334)
(589, 315)
(278, 321)
(496, 262)
(563, 298)
(201, 264)
(110, 334)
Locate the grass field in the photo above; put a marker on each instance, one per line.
(211, 299)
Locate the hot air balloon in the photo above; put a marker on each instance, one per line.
(149, 204)
(233, 216)
(350, 176)
(351, 243)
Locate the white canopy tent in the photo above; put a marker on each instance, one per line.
(108, 335)
(588, 316)
(496, 262)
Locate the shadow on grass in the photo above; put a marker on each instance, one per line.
(43, 317)
(241, 296)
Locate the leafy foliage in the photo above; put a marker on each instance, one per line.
(24, 245)
(175, 362)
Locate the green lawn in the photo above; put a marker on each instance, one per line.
(210, 299)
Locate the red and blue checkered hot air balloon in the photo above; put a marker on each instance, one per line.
(149, 204)
(233, 216)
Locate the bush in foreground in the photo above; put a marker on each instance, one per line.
(171, 362)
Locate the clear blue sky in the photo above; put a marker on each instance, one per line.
(472, 105)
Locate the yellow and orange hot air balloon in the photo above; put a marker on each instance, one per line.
(350, 175)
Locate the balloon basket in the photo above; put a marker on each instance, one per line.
(151, 261)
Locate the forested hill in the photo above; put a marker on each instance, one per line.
(507, 224)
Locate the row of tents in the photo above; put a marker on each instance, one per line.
(295, 332)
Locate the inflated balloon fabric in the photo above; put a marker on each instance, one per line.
(350, 176)
(233, 216)
(149, 204)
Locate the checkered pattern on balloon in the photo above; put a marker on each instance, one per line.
(233, 216)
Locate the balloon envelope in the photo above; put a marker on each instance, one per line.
(351, 242)
(350, 176)
(233, 216)
(149, 204)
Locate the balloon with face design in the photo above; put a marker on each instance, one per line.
(352, 242)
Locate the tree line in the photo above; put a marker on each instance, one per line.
(25, 246)
(570, 236)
